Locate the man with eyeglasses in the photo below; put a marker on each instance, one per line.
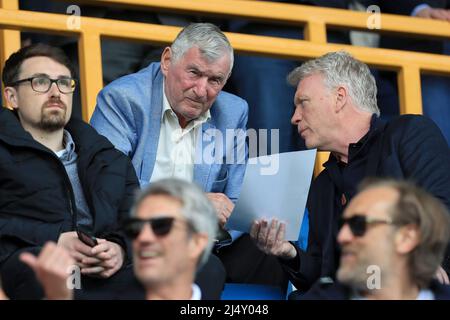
(392, 237)
(336, 110)
(172, 227)
(57, 177)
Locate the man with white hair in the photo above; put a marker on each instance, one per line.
(173, 227)
(336, 110)
(173, 119)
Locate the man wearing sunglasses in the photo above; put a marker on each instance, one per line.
(392, 238)
(336, 110)
(172, 227)
(57, 176)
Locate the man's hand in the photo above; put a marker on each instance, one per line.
(77, 249)
(52, 267)
(270, 238)
(106, 258)
(442, 276)
(434, 13)
(223, 205)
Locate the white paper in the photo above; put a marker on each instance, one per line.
(275, 186)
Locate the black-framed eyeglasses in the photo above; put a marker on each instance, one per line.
(358, 223)
(43, 84)
(161, 226)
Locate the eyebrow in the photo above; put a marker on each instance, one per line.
(219, 75)
(47, 76)
(301, 98)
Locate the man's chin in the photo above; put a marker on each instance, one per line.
(51, 125)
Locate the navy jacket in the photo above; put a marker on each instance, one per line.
(36, 198)
(407, 147)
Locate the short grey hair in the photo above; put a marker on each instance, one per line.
(340, 68)
(196, 208)
(208, 38)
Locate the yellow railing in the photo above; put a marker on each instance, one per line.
(316, 20)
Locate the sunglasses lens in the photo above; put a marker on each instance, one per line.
(357, 225)
(162, 226)
(133, 227)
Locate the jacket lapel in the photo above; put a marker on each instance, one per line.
(155, 106)
(204, 154)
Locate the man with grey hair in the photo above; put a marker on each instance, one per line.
(392, 237)
(336, 110)
(173, 119)
(172, 226)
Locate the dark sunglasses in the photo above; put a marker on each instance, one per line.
(161, 226)
(358, 223)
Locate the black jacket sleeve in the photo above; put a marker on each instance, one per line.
(118, 236)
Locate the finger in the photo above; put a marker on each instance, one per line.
(92, 270)
(254, 230)
(110, 263)
(106, 255)
(91, 260)
(78, 256)
(439, 277)
(226, 212)
(281, 232)
(101, 247)
(262, 235)
(82, 248)
(443, 276)
(222, 218)
(438, 14)
(29, 259)
(271, 235)
(57, 263)
(108, 273)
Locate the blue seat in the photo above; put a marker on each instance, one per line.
(241, 291)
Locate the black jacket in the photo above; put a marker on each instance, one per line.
(36, 198)
(339, 291)
(408, 147)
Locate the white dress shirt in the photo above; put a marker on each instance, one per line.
(176, 146)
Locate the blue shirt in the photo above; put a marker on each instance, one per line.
(69, 157)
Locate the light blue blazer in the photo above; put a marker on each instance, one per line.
(128, 113)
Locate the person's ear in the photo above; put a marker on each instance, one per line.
(407, 238)
(166, 59)
(341, 98)
(10, 94)
(197, 245)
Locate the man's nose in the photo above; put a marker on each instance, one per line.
(297, 116)
(345, 235)
(54, 90)
(201, 87)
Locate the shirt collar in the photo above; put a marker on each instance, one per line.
(196, 292)
(355, 148)
(69, 147)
